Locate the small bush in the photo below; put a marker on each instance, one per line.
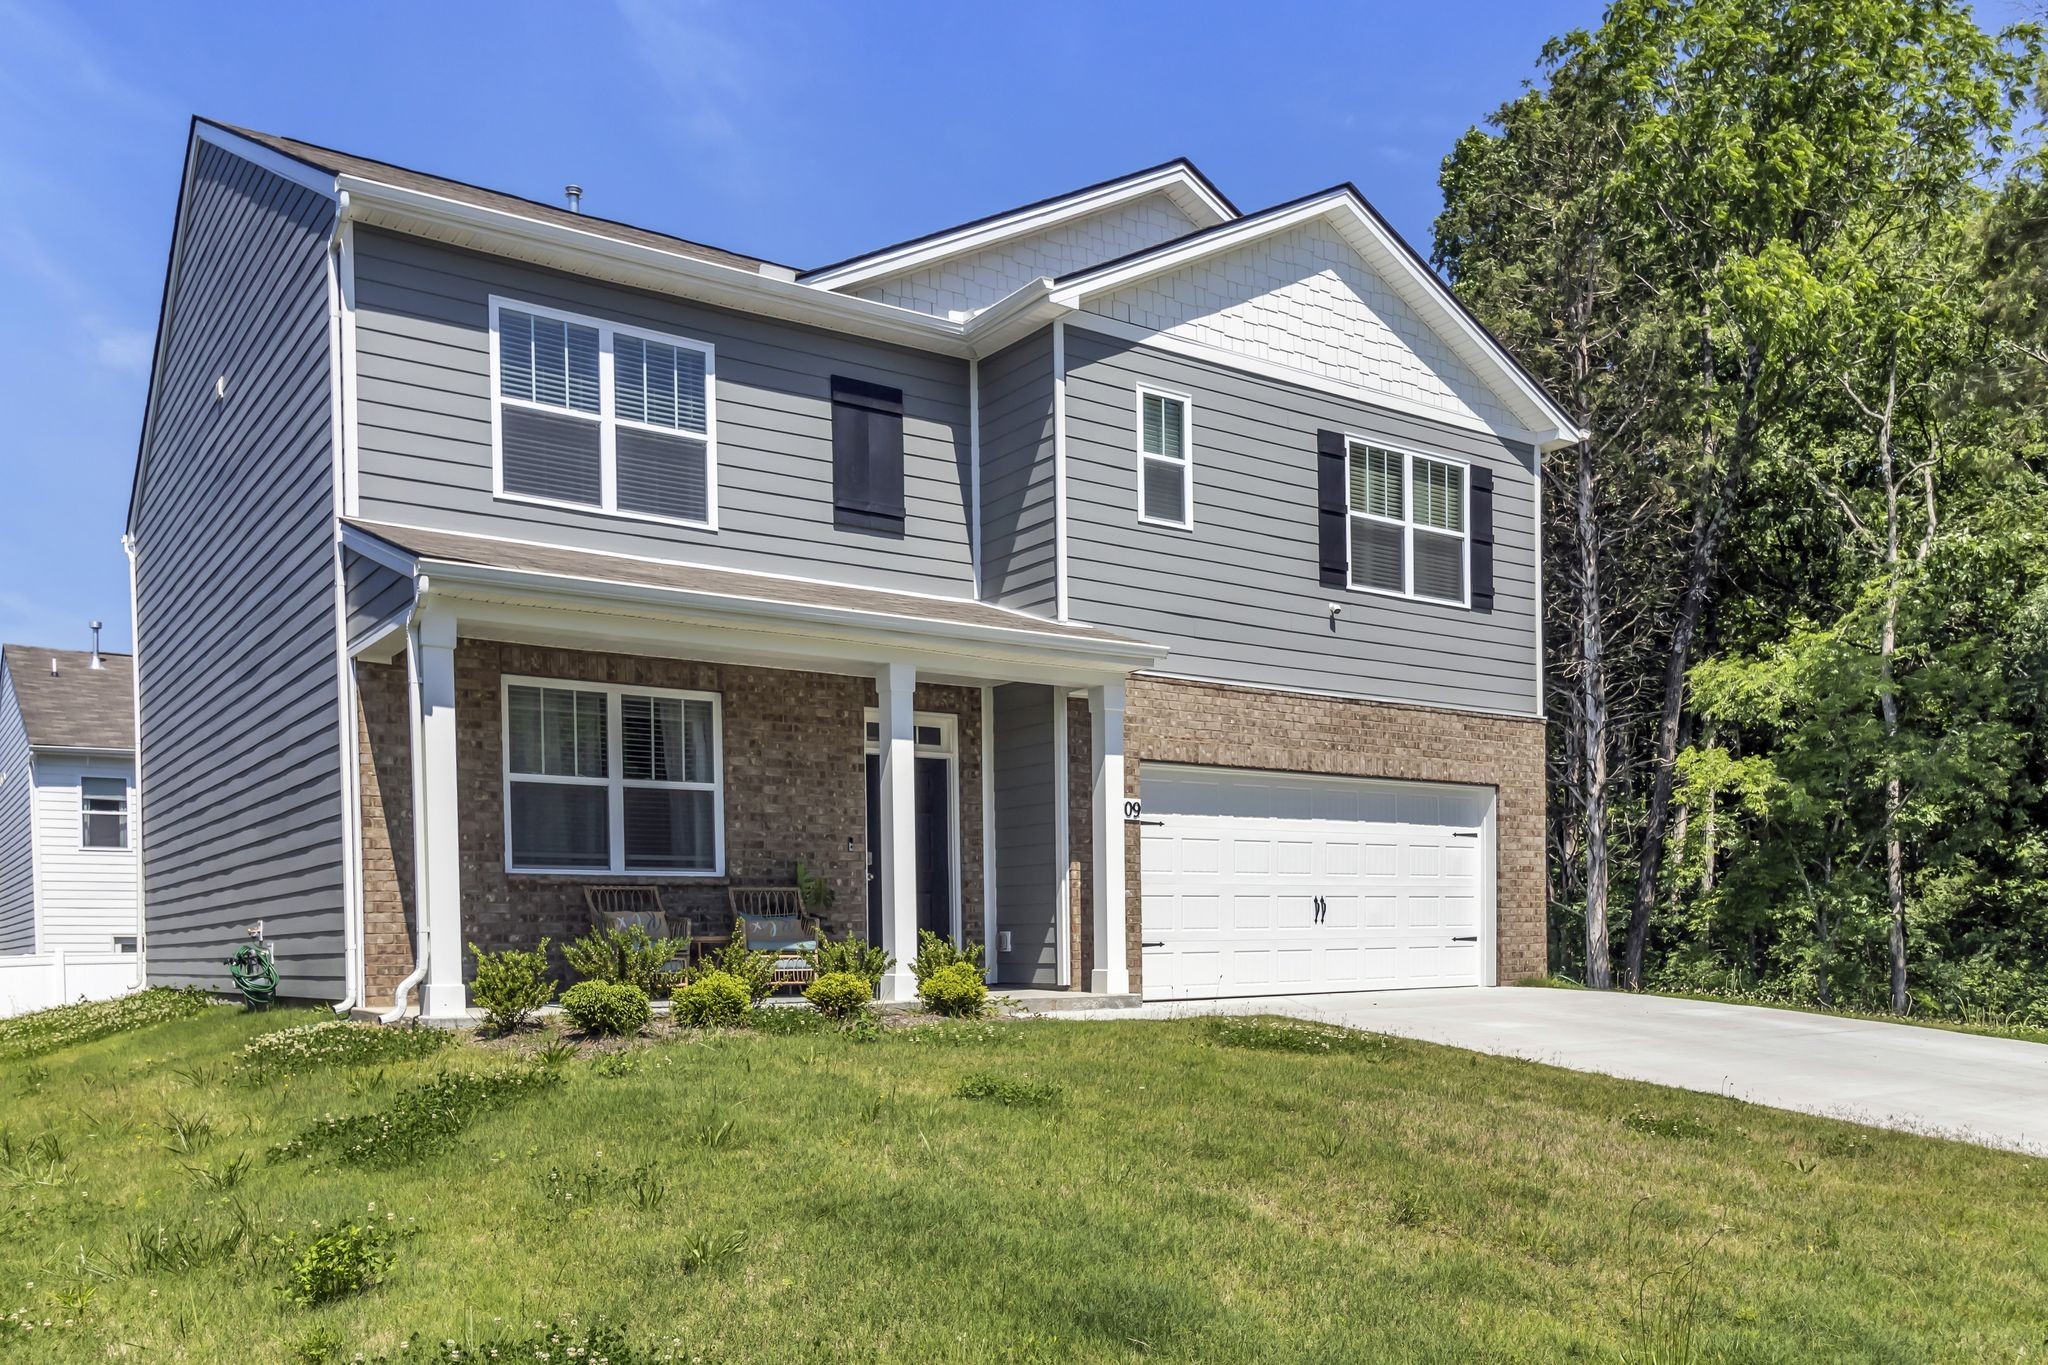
(936, 952)
(419, 1121)
(627, 956)
(1684, 1127)
(332, 1043)
(956, 990)
(755, 971)
(1006, 1090)
(510, 985)
(33, 1034)
(1296, 1035)
(713, 999)
(345, 1261)
(840, 995)
(608, 1007)
(855, 955)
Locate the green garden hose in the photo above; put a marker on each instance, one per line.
(255, 975)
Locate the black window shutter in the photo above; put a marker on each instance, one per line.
(1332, 508)
(867, 455)
(1481, 524)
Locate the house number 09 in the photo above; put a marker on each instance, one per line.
(1134, 809)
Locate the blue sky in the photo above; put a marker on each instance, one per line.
(802, 133)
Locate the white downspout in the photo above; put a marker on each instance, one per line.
(419, 820)
(352, 935)
(128, 547)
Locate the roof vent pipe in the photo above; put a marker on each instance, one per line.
(575, 193)
(96, 646)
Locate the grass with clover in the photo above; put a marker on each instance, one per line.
(206, 1186)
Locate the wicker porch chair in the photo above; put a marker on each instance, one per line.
(631, 907)
(773, 918)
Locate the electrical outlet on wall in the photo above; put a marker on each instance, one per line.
(1002, 940)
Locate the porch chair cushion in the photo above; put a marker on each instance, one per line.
(637, 907)
(773, 918)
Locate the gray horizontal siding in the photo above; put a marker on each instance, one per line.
(1018, 559)
(1238, 598)
(17, 820)
(424, 424)
(240, 720)
(1026, 838)
(372, 593)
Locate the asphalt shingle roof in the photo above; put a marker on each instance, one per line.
(78, 706)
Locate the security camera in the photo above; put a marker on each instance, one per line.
(1336, 608)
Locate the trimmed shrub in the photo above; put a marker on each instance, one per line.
(629, 956)
(855, 955)
(755, 971)
(840, 995)
(936, 952)
(606, 1007)
(510, 985)
(713, 999)
(955, 990)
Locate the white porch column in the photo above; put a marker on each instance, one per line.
(438, 808)
(896, 861)
(1112, 971)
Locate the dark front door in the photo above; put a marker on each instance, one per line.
(933, 782)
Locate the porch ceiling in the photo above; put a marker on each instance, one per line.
(547, 594)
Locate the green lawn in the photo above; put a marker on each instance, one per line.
(1982, 1027)
(1179, 1196)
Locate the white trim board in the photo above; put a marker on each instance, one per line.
(1177, 179)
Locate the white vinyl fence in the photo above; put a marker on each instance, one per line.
(64, 976)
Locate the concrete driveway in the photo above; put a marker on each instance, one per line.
(1992, 1091)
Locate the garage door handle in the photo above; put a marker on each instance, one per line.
(1464, 834)
(1160, 944)
(1466, 938)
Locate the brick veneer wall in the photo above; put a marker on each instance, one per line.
(795, 788)
(1237, 727)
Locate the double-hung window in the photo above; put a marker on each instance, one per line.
(1166, 466)
(611, 779)
(588, 413)
(1407, 523)
(103, 812)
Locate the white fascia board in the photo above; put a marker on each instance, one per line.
(277, 163)
(1175, 180)
(378, 550)
(1013, 317)
(873, 628)
(582, 252)
(1551, 426)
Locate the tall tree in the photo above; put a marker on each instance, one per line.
(1755, 154)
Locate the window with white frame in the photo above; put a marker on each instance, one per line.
(103, 812)
(588, 413)
(1407, 515)
(1165, 462)
(611, 779)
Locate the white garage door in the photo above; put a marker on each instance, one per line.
(1273, 884)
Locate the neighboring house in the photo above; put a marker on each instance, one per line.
(70, 926)
(486, 551)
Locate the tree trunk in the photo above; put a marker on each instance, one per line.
(1593, 720)
(1709, 525)
(1888, 701)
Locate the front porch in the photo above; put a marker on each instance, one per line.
(514, 752)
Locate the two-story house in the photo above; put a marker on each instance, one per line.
(1142, 586)
(69, 924)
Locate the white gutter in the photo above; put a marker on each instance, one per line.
(723, 608)
(419, 821)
